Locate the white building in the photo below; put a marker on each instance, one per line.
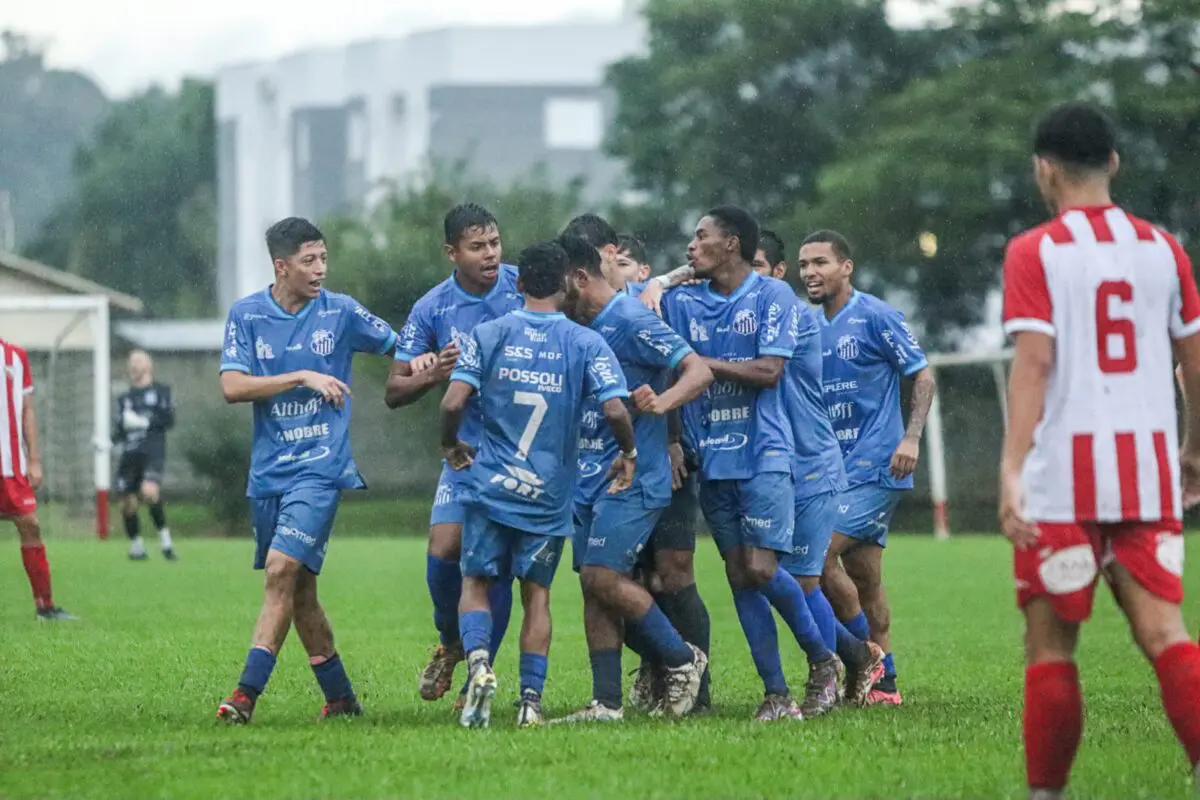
(313, 133)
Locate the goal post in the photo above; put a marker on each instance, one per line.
(68, 337)
(935, 442)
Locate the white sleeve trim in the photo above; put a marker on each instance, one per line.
(1029, 325)
(1184, 330)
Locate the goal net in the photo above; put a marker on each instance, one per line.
(67, 338)
(969, 411)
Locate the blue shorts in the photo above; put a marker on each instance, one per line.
(864, 512)
(612, 532)
(296, 524)
(490, 550)
(815, 518)
(450, 500)
(750, 513)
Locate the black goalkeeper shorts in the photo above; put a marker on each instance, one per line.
(147, 463)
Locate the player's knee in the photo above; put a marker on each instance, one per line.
(129, 505)
(281, 572)
(675, 570)
(445, 541)
(1156, 635)
(597, 582)
(29, 531)
(150, 492)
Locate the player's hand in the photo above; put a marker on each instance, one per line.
(423, 362)
(679, 470)
(1190, 473)
(133, 421)
(1020, 531)
(446, 361)
(621, 472)
(459, 457)
(651, 296)
(904, 460)
(334, 391)
(35, 474)
(646, 400)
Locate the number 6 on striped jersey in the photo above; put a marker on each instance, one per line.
(1108, 327)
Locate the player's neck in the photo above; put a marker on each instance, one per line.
(838, 301)
(595, 301)
(291, 303)
(1083, 195)
(473, 287)
(545, 305)
(143, 383)
(728, 278)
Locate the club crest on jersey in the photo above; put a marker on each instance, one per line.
(847, 348)
(697, 331)
(745, 322)
(322, 342)
(151, 397)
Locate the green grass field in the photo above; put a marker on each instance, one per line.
(121, 704)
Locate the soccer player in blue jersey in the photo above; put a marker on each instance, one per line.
(288, 350)
(820, 478)
(868, 348)
(480, 289)
(533, 371)
(745, 327)
(612, 529)
(631, 259)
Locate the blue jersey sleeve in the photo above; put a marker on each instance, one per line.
(655, 343)
(780, 323)
(236, 352)
(469, 367)
(604, 379)
(896, 342)
(369, 333)
(418, 336)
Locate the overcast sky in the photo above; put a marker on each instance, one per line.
(127, 44)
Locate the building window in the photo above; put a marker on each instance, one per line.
(573, 123)
(303, 144)
(356, 135)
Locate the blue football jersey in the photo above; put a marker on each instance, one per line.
(868, 347)
(448, 312)
(817, 466)
(297, 435)
(647, 350)
(737, 430)
(533, 373)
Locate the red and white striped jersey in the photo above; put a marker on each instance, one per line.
(1113, 291)
(15, 388)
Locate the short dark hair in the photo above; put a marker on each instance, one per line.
(738, 222)
(1077, 134)
(837, 242)
(580, 254)
(464, 217)
(628, 243)
(286, 237)
(593, 229)
(542, 269)
(771, 243)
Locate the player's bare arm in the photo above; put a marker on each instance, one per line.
(904, 460)
(406, 384)
(651, 296)
(1187, 353)
(33, 455)
(625, 467)
(1032, 363)
(693, 378)
(238, 387)
(763, 372)
(459, 454)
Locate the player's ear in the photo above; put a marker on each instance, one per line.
(1114, 163)
(280, 267)
(449, 250)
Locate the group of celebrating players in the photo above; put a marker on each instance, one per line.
(585, 402)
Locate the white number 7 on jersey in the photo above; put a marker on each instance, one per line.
(538, 402)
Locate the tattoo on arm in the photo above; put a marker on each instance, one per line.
(924, 388)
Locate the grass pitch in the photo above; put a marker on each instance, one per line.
(122, 703)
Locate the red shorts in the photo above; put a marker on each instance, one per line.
(16, 497)
(1066, 561)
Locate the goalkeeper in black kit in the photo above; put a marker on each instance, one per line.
(144, 414)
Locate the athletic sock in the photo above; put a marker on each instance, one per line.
(787, 597)
(500, 598)
(476, 627)
(687, 612)
(758, 625)
(637, 641)
(1053, 723)
(444, 579)
(331, 676)
(37, 569)
(1178, 669)
(606, 677)
(158, 516)
(666, 642)
(858, 626)
(132, 526)
(851, 649)
(533, 672)
(164, 539)
(823, 615)
(259, 664)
